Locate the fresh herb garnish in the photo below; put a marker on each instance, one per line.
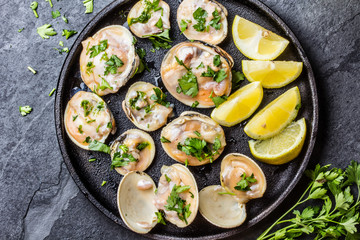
(75, 117)
(89, 4)
(298, 106)
(50, 2)
(52, 92)
(92, 159)
(338, 215)
(197, 133)
(55, 14)
(90, 121)
(34, 6)
(177, 204)
(195, 104)
(159, 24)
(25, 110)
(183, 25)
(139, 96)
(188, 84)
(146, 13)
(217, 76)
(159, 97)
(217, 60)
(230, 193)
(215, 21)
(45, 31)
(161, 40)
(104, 84)
(87, 140)
(80, 129)
(186, 162)
(31, 70)
(201, 65)
(89, 67)
(20, 30)
(200, 16)
(112, 65)
(167, 178)
(199, 148)
(64, 19)
(87, 106)
(109, 125)
(97, 49)
(122, 158)
(68, 33)
(99, 146)
(142, 146)
(237, 77)
(160, 217)
(244, 183)
(217, 100)
(164, 140)
(142, 66)
(103, 183)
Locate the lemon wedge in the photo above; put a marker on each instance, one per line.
(270, 120)
(239, 106)
(256, 42)
(271, 74)
(283, 147)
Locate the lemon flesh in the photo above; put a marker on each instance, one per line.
(239, 106)
(256, 42)
(269, 121)
(282, 148)
(272, 74)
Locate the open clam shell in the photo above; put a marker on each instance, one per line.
(108, 59)
(142, 110)
(139, 144)
(220, 208)
(178, 175)
(233, 166)
(87, 118)
(205, 73)
(143, 30)
(192, 125)
(215, 28)
(135, 202)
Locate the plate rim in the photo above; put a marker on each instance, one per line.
(312, 138)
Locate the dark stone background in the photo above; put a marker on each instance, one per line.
(39, 199)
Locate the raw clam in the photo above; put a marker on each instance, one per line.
(134, 150)
(197, 74)
(87, 118)
(108, 59)
(181, 138)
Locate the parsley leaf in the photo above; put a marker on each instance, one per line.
(183, 25)
(142, 66)
(104, 84)
(25, 110)
(89, 5)
(244, 183)
(160, 40)
(122, 158)
(159, 24)
(34, 6)
(64, 19)
(97, 49)
(50, 2)
(159, 97)
(217, 100)
(112, 65)
(188, 84)
(198, 148)
(181, 63)
(217, 60)
(55, 14)
(195, 104)
(89, 67)
(68, 33)
(45, 31)
(201, 65)
(177, 204)
(164, 140)
(200, 16)
(160, 218)
(142, 146)
(215, 21)
(217, 76)
(237, 77)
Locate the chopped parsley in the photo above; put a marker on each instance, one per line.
(99, 146)
(90, 121)
(217, 100)
(80, 129)
(217, 60)
(195, 104)
(160, 217)
(109, 125)
(139, 96)
(181, 63)
(89, 67)
(92, 159)
(75, 117)
(186, 162)
(103, 183)
(217, 76)
(197, 133)
(45, 31)
(200, 16)
(159, 97)
(215, 22)
(199, 148)
(177, 204)
(142, 66)
(146, 14)
(142, 146)
(201, 65)
(87, 106)
(112, 65)
(87, 140)
(34, 6)
(237, 77)
(167, 178)
(52, 92)
(183, 25)
(298, 106)
(97, 49)
(188, 84)
(31, 70)
(25, 110)
(164, 140)
(223, 193)
(104, 84)
(20, 30)
(68, 33)
(244, 183)
(161, 40)
(55, 14)
(122, 158)
(64, 19)
(89, 5)
(50, 2)
(159, 24)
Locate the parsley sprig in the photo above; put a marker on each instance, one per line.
(336, 217)
(244, 183)
(159, 97)
(187, 83)
(122, 158)
(199, 148)
(200, 16)
(161, 40)
(146, 13)
(177, 204)
(113, 64)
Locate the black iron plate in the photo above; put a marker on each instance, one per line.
(89, 175)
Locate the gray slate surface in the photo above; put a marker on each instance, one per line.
(39, 199)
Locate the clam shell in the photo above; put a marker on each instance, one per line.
(74, 108)
(222, 210)
(135, 205)
(146, 155)
(207, 127)
(171, 71)
(187, 7)
(152, 121)
(120, 41)
(232, 167)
